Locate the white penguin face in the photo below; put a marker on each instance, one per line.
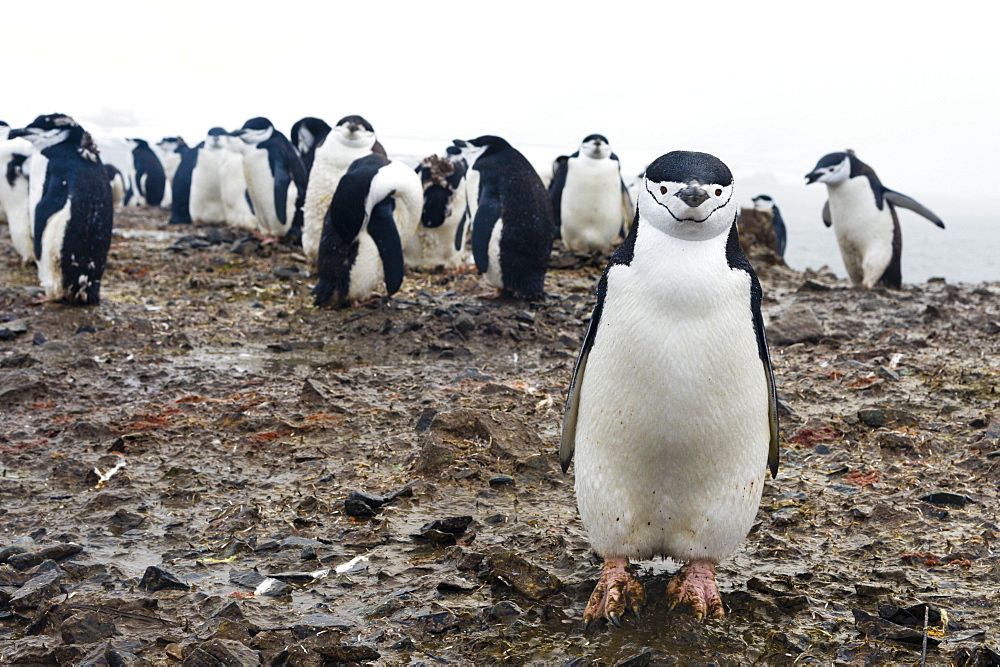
(596, 147)
(469, 152)
(42, 139)
(354, 134)
(688, 196)
(763, 204)
(831, 174)
(255, 137)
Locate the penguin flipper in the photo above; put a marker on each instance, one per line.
(282, 177)
(628, 208)
(901, 200)
(382, 229)
(482, 227)
(53, 199)
(556, 190)
(827, 220)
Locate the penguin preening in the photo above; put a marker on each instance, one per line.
(512, 230)
(766, 203)
(276, 178)
(306, 135)
(440, 238)
(671, 410)
(372, 217)
(14, 168)
(590, 202)
(863, 214)
(71, 209)
(148, 180)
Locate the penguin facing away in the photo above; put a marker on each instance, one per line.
(863, 214)
(206, 178)
(677, 319)
(236, 204)
(71, 209)
(276, 178)
(117, 181)
(180, 206)
(148, 178)
(15, 156)
(590, 201)
(440, 239)
(512, 230)
(306, 135)
(372, 217)
(351, 138)
(766, 203)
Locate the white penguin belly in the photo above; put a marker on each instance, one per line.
(206, 188)
(366, 272)
(494, 272)
(329, 166)
(50, 263)
(233, 188)
(591, 205)
(864, 233)
(260, 184)
(672, 435)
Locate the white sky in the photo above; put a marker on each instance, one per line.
(769, 87)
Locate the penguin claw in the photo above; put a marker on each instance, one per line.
(615, 619)
(618, 590)
(695, 586)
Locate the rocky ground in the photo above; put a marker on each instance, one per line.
(206, 470)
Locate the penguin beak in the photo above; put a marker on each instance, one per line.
(692, 195)
(237, 133)
(461, 143)
(14, 134)
(811, 177)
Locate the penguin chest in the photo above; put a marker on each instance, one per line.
(206, 188)
(591, 208)
(260, 185)
(494, 271)
(50, 262)
(366, 271)
(672, 434)
(864, 233)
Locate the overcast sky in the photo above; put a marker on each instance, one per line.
(768, 87)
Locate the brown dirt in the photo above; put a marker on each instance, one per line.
(205, 420)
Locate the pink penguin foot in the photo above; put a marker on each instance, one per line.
(694, 586)
(617, 590)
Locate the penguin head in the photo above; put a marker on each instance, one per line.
(831, 169)
(133, 143)
(688, 195)
(473, 149)
(763, 202)
(216, 138)
(50, 130)
(596, 147)
(355, 132)
(168, 145)
(255, 131)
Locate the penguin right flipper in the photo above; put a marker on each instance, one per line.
(556, 190)
(827, 220)
(382, 229)
(282, 177)
(628, 209)
(53, 199)
(482, 227)
(901, 200)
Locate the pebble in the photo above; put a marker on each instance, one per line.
(157, 579)
(261, 585)
(947, 499)
(37, 590)
(530, 580)
(505, 610)
(501, 480)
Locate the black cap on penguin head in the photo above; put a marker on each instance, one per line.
(687, 166)
(258, 123)
(355, 123)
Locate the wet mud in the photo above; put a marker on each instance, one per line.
(204, 469)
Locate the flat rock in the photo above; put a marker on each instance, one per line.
(797, 324)
(454, 435)
(523, 576)
(157, 579)
(86, 627)
(36, 590)
(222, 652)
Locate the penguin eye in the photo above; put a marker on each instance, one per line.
(718, 192)
(663, 189)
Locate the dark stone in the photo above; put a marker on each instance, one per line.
(879, 628)
(438, 622)
(222, 652)
(373, 501)
(524, 316)
(357, 509)
(501, 481)
(315, 623)
(455, 525)
(87, 627)
(54, 552)
(157, 579)
(38, 338)
(505, 611)
(877, 417)
(22, 545)
(947, 499)
(13, 329)
(523, 576)
(253, 580)
(797, 324)
(349, 653)
(36, 591)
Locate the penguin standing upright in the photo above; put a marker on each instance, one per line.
(306, 135)
(206, 178)
(236, 205)
(372, 217)
(14, 165)
(171, 151)
(765, 204)
(863, 214)
(148, 180)
(512, 230)
(351, 138)
(276, 178)
(117, 181)
(71, 209)
(671, 409)
(591, 203)
(440, 239)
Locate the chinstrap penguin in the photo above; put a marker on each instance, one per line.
(170, 151)
(512, 230)
(372, 217)
(671, 410)
(14, 168)
(276, 179)
(206, 178)
(863, 214)
(351, 138)
(590, 202)
(440, 239)
(148, 180)
(71, 209)
(306, 135)
(117, 181)
(236, 204)
(765, 203)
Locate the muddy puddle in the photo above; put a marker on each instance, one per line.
(204, 469)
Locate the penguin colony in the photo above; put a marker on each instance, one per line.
(678, 304)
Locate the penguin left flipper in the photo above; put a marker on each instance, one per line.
(53, 199)
(382, 229)
(827, 219)
(901, 200)
(628, 210)
(482, 227)
(282, 178)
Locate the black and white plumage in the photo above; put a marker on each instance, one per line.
(14, 167)
(512, 230)
(236, 202)
(351, 138)
(306, 135)
(117, 181)
(71, 209)
(372, 217)
(766, 203)
(206, 178)
(170, 150)
(671, 410)
(276, 178)
(590, 202)
(863, 214)
(147, 180)
(440, 238)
